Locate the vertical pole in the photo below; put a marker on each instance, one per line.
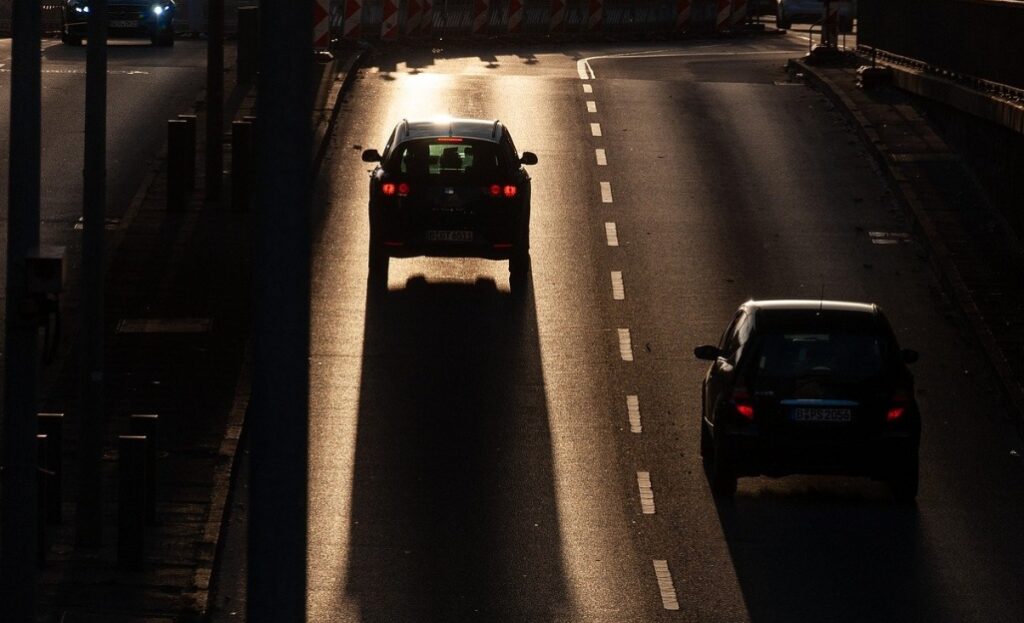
(280, 402)
(215, 101)
(51, 424)
(131, 500)
(18, 516)
(89, 517)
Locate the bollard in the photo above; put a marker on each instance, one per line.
(190, 159)
(131, 500)
(52, 424)
(145, 425)
(42, 493)
(177, 167)
(247, 60)
(241, 164)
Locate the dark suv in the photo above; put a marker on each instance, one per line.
(817, 387)
(153, 19)
(450, 188)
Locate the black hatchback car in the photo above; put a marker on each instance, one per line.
(152, 19)
(450, 188)
(809, 387)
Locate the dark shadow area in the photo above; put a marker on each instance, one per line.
(454, 515)
(117, 50)
(824, 554)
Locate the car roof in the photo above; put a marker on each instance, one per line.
(811, 304)
(480, 129)
(797, 314)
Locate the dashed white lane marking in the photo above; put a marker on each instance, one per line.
(665, 585)
(618, 288)
(612, 234)
(588, 88)
(643, 483)
(633, 410)
(595, 129)
(602, 159)
(591, 106)
(606, 192)
(625, 346)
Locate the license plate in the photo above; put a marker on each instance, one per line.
(123, 23)
(449, 236)
(820, 414)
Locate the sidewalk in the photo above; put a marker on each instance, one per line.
(177, 332)
(971, 246)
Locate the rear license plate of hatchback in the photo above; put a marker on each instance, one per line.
(838, 415)
(123, 23)
(457, 235)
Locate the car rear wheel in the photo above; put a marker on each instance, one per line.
(519, 267)
(904, 480)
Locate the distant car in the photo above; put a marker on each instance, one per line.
(809, 387)
(450, 188)
(152, 19)
(789, 11)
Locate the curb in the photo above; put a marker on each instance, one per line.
(938, 253)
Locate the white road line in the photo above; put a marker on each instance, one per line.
(612, 234)
(625, 346)
(606, 192)
(665, 585)
(584, 70)
(595, 129)
(643, 483)
(588, 88)
(602, 159)
(633, 410)
(618, 288)
(591, 106)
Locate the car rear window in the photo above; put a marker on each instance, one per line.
(449, 159)
(843, 357)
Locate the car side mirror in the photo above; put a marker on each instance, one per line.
(528, 158)
(371, 155)
(909, 356)
(707, 352)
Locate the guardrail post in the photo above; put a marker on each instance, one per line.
(177, 164)
(190, 160)
(131, 500)
(145, 425)
(247, 60)
(51, 425)
(241, 164)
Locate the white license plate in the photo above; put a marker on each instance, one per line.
(123, 23)
(449, 236)
(820, 414)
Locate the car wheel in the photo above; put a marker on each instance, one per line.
(378, 273)
(519, 275)
(904, 481)
(782, 22)
(722, 474)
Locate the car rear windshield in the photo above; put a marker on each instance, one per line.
(842, 357)
(451, 160)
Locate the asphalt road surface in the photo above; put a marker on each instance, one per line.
(477, 460)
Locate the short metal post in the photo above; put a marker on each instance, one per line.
(247, 63)
(241, 164)
(131, 500)
(190, 160)
(43, 488)
(145, 425)
(52, 425)
(177, 166)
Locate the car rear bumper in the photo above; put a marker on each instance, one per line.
(402, 249)
(755, 455)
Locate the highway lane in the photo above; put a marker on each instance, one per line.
(475, 460)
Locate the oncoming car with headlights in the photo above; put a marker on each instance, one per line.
(152, 19)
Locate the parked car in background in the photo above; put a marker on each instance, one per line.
(809, 387)
(151, 19)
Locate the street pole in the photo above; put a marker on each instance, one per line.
(19, 516)
(215, 101)
(280, 404)
(89, 515)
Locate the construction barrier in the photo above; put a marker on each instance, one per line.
(595, 16)
(724, 10)
(389, 23)
(353, 19)
(683, 15)
(480, 15)
(321, 24)
(515, 15)
(739, 13)
(557, 23)
(413, 16)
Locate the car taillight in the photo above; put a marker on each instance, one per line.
(388, 188)
(495, 190)
(741, 399)
(508, 190)
(403, 190)
(900, 400)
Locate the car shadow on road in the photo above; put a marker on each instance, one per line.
(453, 498)
(827, 554)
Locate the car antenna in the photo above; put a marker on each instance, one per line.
(821, 299)
(494, 130)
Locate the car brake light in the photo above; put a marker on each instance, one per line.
(450, 139)
(403, 190)
(387, 188)
(741, 399)
(900, 399)
(495, 190)
(510, 191)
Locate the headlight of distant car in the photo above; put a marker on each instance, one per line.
(78, 7)
(160, 9)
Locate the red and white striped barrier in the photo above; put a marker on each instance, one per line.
(389, 21)
(321, 25)
(595, 16)
(723, 10)
(739, 13)
(413, 14)
(683, 13)
(427, 21)
(557, 16)
(351, 24)
(480, 10)
(515, 15)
